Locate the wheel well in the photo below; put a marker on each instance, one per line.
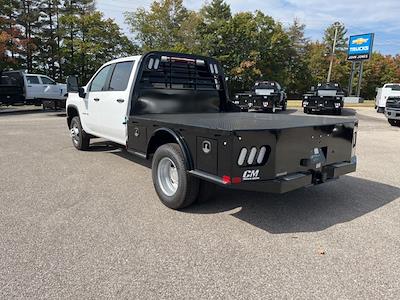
(158, 139)
(71, 113)
(166, 136)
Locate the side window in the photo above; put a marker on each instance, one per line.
(32, 80)
(120, 76)
(46, 80)
(99, 82)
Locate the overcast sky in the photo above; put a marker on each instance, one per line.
(360, 16)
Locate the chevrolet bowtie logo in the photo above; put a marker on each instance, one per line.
(359, 41)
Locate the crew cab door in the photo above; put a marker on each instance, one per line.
(108, 98)
(34, 89)
(51, 90)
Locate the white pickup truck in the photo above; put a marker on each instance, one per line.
(385, 92)
(174, 110)
(18, 87)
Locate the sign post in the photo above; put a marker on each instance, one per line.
(360, 49)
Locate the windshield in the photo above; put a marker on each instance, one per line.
(394, 87)
(265, 85)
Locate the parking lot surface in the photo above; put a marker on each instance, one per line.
(86, 225)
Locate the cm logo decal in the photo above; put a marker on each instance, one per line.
(251, 175)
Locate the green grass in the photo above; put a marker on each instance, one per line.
(366, 103)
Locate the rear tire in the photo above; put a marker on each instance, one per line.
(284, 106)
(80, 138)
(338, 111)
(174, 186)
(394, 122)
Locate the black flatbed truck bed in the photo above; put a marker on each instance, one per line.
(301, 150)
(242, 121)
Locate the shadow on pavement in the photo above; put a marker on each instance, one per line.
(306, 210)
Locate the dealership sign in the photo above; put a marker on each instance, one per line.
(360, 46)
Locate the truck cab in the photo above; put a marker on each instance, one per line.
(266, 96)
(173, 109)
(389, 90)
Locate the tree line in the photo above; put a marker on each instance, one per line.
(64, 37)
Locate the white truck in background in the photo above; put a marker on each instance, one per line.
(383, 93)
(18, 87)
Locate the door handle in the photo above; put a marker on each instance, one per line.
(96, 99)
(120, 100)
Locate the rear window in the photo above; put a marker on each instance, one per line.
(46, 80)
(120, 76)
(180, 73)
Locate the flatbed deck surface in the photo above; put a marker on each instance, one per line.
(244, 121)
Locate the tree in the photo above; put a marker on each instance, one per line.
(298, 79)
(341, 39)
(163, 27)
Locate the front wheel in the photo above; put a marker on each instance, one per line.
(394, 122)
(80, 139)
(306, 110)
(174, 186)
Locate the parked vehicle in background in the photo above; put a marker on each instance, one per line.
(392, 111)
(265, 96)
(384, 93)
(173, 109)
(325, 97)
(18, 87)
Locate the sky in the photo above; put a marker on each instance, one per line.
(359, 16)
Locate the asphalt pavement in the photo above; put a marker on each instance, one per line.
(89, 225)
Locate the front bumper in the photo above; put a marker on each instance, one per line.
(288, 182)
(392, 113)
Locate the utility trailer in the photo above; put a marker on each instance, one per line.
(266, 96)
(174, 110)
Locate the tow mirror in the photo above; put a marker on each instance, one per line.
(81, 92)
(72, 84)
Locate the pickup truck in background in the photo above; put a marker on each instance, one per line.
(327, 97)
(18, 87)
(392, 111)
(384, 93)
(265, 96)
(174, 110)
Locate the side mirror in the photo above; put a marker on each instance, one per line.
(312, 88)
(72, 84)
(81, 92)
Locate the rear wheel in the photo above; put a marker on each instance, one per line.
(80, 138)
(284, 106)
(338, 111)
(394, 122)
(272, 109)
(174, 186)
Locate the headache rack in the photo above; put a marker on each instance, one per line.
(174, 72)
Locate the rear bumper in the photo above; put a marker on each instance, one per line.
(322, 104)
(289, 182)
